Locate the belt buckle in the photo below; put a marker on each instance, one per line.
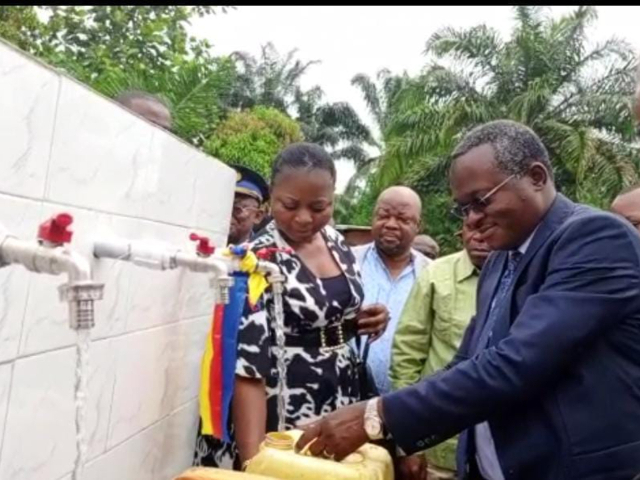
(323, 339)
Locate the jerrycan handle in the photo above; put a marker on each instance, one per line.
(305, 449)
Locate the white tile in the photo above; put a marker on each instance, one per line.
(101, 155)
(178, 442)
(158, 371)
(105, 158)
(28, 99)
(46, 321)
(20, 217)
(197, 297)
(185, 361)
(5, 387)
(215, 191)
(40, 431)
(169, 181)
(135, 459)
(154, 297)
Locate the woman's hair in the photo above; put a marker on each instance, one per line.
(303, 156)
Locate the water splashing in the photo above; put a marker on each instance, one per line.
(83, 341)
(280, 354)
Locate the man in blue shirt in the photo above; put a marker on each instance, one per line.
(390, 266)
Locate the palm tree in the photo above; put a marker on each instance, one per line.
(356, 202)
(273, 80)
(380, 94)
(335, 126)
(270, 80)
(577, 99)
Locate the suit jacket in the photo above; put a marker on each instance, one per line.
(559, 382)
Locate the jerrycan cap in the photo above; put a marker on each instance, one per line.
(279, 441)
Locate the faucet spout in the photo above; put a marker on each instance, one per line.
(219, 267)
(274, 275)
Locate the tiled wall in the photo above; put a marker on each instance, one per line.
(65, 148)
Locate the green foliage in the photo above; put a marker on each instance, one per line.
(118, 48)
(577, 99)
(253, 138)
(196, 93)
(20, 25)
(89, 41)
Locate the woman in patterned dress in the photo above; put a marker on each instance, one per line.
(323, 311)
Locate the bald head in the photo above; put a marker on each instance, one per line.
(396, 220)
(426, 246)
(148, 106)
(627, 205)
(401, 195)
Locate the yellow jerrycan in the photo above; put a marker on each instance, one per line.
(277, 458)
(205, 473)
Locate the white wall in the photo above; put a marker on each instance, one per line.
(64, 148)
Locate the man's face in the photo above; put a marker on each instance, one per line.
(395, 225)
(628, 206)
(477, 249)
(154, 112)
(505, 219)
(245, 215)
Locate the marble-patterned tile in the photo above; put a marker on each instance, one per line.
(6, 371)
(137, 458)
(154, 295)
(162, 367)
(178, 442)
(215, 191)
(40, 431)
(184, 363)
(170, 181)
(102, 156)
(28, 100)
(20, 218)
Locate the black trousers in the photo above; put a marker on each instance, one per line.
(474, 470)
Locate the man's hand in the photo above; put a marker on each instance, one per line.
(372, 320)
(413, 467)
(337, 434)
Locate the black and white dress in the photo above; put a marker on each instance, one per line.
(319, 380)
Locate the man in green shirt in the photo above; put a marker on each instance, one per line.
(430, 330)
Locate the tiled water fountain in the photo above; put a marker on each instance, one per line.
(66, 148)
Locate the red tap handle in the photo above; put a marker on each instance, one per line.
(204, 246)
(267, 253)
(56, 229)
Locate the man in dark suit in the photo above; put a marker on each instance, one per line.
(546, 384)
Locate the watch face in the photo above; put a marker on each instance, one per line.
(372, 427)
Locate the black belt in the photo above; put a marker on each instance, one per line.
(332, 336)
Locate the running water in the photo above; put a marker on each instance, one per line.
(83, 341)
(280, 355)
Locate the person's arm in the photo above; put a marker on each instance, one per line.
(593, 283)
(249, 415)
(412, 338)
(249, 395)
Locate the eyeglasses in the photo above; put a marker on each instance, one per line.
(479, 204)
(242, 211)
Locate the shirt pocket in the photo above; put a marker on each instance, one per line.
(451, 318)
